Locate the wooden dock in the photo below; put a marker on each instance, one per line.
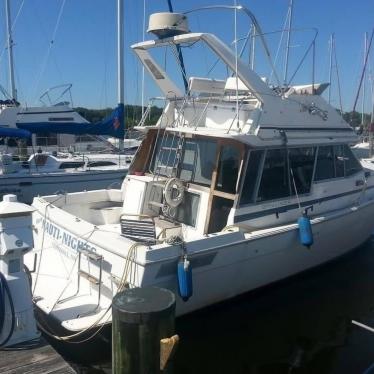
(39, 358)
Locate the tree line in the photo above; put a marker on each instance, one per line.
(133, 114)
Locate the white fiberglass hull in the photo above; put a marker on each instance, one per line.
(224, 265)
(29, 185)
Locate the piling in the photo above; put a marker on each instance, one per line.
(143, 327)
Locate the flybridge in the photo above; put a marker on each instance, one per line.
(251, 80)
(241, 104)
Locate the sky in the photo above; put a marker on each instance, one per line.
(74, 41)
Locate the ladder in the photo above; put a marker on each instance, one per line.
(97, 281)
(167, 165)
(170, 155)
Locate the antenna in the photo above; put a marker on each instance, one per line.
(290, 11)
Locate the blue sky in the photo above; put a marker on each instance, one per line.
(84, 49)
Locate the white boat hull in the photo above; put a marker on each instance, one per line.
(220, 271)
(27, 186)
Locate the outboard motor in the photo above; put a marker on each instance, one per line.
(17, 322)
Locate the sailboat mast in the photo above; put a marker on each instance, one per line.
(120, 61)
(364, 82)
(290, 11)
(10, 51)
(330, 65)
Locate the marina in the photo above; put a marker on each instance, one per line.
(231, 231)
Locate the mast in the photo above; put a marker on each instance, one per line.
(330, 69)
(290, 11)
(120, 62)
(364, 82)
(10, 51)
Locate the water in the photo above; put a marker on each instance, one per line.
(301, 325)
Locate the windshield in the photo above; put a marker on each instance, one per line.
(196, 162)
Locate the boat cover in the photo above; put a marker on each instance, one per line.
(113, 125)
(6, 132)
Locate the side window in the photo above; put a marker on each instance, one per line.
(352, 165)
(325, 168)
(339, 161)
(336, 162)
(252, 172)
(275, 180)
(228, 168)
(301, 168)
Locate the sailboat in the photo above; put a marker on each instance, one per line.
(237, 186)
(48, 173)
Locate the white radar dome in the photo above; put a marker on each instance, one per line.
(166, 25)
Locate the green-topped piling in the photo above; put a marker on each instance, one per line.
(143, 327)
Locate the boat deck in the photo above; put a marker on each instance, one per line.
(38, 358)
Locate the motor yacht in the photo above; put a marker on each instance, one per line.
(211, 205)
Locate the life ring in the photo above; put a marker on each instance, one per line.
(174, 192)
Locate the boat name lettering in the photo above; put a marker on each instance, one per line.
(66, 238)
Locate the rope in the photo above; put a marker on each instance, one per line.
(130, 260)
(297, 195)
(42, 243)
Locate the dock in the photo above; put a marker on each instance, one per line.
(37, 358)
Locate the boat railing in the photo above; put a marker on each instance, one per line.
(63, 89)
(147, 112)
(191, 111)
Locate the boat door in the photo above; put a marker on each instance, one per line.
(225, 184)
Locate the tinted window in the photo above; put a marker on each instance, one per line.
(336, 162)
(228, 168)
(198, 161)
(352, 165)
(250, 179)
(101, 163)
(325, 168)
(71, 165)
(301, 168)
(274, 181)
(198, 158)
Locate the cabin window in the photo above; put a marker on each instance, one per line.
(274, 181)
(228, 168)
(249, 185)
(352, 165)
(325, 168)
(198, 161)
(301, 162)
(100, 163)
(71, 164)
(336, 162)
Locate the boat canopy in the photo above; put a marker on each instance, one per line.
(6, 132)
(113, 125)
